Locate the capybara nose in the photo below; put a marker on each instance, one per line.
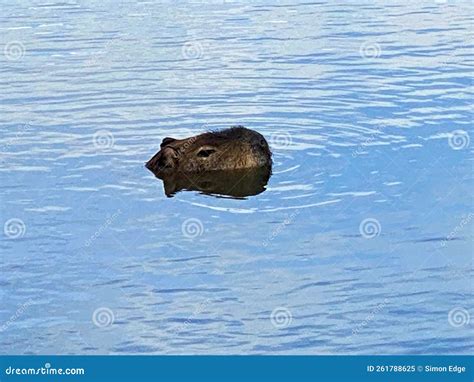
(162, 160)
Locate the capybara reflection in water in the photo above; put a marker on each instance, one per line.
(230, 149)
(234, 183)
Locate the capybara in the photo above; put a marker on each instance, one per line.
(230, 149)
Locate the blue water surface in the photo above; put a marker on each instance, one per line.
(362, 242)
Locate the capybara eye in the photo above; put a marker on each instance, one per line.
(204, 153)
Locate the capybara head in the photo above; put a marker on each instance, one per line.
(229, 149)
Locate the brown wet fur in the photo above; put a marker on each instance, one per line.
(230, 149)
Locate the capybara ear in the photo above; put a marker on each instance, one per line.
(166, 141)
